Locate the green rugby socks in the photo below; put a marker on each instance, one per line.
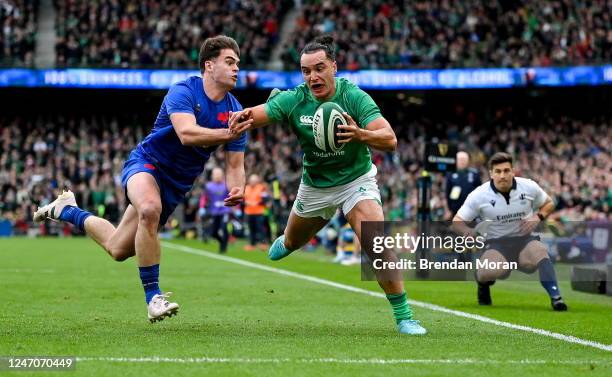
(401, 309)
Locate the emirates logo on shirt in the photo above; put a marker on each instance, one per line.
(223, 117)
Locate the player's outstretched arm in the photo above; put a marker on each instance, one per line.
(193, 135)
(377, 134)
(257, 114)
(234, 177)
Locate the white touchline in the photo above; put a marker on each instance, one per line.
(426, 305)
(242, 360)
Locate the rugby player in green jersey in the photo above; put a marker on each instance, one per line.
(334, 176)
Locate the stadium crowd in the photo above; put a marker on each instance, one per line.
(369, 34)
(161, 33)
(18, 32)
(39, 156)
(445, 34)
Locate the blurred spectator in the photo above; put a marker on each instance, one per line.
(17, 32)
(215, 193)
(255, 197)
(348, 250)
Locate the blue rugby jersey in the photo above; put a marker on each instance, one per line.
(182, 164)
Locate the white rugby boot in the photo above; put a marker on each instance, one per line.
(53, 210)
(159, 307)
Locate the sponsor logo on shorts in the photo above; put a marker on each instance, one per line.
(299, 205)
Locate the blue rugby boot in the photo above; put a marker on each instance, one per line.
(278, 250)
(411, 327)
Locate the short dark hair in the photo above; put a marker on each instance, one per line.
(211, 48)
(322, 42)
(500, 158)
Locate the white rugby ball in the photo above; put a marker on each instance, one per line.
(325, 124)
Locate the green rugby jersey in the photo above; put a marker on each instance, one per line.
(326, 168)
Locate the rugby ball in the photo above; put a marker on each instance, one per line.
(325, 122)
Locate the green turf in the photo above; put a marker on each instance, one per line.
(66, 297)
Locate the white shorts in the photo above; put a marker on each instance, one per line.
(323, 202)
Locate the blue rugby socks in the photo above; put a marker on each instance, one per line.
(548, 279)
(150, 281)
(74, 216)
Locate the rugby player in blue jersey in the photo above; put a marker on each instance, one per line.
(191, 124)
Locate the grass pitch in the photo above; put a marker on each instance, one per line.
(65, 297)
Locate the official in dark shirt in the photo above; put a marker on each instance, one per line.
(460, 183)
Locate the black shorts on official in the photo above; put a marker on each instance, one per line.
(510, 247)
